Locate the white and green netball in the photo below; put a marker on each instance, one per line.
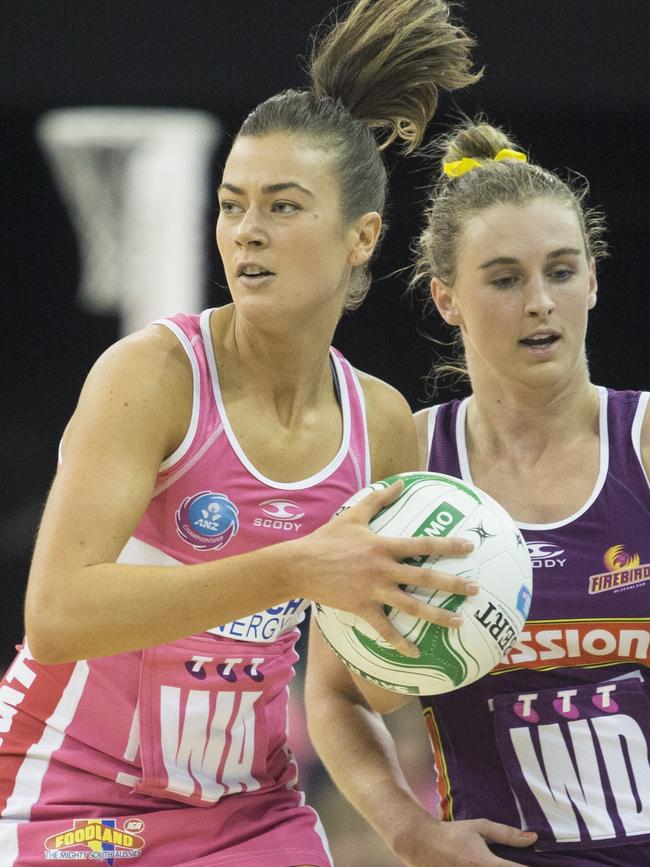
(433, 504)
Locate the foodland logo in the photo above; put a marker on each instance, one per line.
(545, 555)
(280, 515)
(96, 840)
(623, 570)
(551, 644)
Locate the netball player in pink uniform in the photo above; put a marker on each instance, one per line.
(145, 716)
(551, 750)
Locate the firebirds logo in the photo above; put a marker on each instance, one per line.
(623, 570)
(96, 840)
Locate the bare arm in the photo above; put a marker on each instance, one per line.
(345, 725)
(355, 745)
(132, 413)
(360, 756)
(392, 432)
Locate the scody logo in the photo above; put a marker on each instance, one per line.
(545, 555)
(281, 515)
(95, 840)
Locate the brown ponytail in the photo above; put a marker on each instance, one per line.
(387, 61)
(379, 68)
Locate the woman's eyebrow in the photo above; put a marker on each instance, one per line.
(269, 188)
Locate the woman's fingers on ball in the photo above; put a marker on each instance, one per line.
(433, 579)
(380, 623)
(366, 509)
(423, 611)
(430, 546)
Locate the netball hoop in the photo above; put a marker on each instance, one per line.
(135, 182)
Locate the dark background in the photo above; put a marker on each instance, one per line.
(570, 78)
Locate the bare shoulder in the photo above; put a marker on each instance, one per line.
(144, 355)
(132, 413)
(381, 396)
(143, 381)
(645, 440)
(393, 442)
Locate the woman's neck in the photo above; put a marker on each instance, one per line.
(290, 370)
(530, 420)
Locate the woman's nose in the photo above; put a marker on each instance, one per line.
(539, 301)
(250, 229)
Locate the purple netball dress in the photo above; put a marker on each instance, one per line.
(556, 739)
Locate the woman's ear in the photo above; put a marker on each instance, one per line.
(445, 300)
(593, 284)
(365, 234)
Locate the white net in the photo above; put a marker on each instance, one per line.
(135, 182)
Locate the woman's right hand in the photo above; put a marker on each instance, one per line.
(345, 565)
(432, 843)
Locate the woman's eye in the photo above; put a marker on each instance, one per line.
(229, 207)
(562, 274)
(504, 282)
(285, 207)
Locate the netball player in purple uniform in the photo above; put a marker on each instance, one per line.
(555, 741)
(145, 717)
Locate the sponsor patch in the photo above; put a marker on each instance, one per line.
(546, 644)
(207, 521)
(285, 510)
(623, 570)
(545, 555)
(280, 514)
(96, 840)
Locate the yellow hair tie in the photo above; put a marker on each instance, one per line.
(456, 168)
(507, 154)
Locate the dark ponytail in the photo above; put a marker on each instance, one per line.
(378, 69)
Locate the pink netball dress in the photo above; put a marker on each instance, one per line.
(178, 755)
(556, 739)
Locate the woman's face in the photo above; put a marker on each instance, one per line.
(280, 232)
(522, 291)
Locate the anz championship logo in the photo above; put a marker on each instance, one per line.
(207, 521)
